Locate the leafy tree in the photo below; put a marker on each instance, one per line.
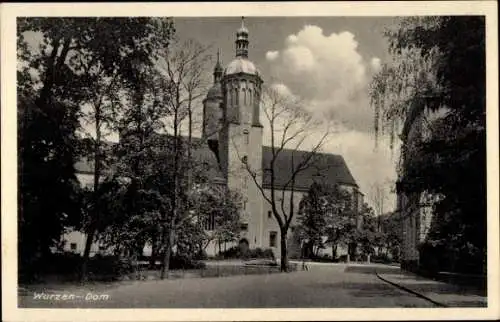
(326, 217)
(311, 218)
(154, 153)
(218, 212)
(369, 235)
(446, 73)
(392, 233)
(74, 56)
(49, 193)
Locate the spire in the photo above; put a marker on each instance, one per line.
(218, 68)
(242, 40)
(242, 23)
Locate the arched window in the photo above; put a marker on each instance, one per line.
(273, 237)
(230, 97)
(236, 97)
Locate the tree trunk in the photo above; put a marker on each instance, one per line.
(310, 250)
(152, 259)
(334, 251)
(169, 237)
(284, 255)
(86, 253)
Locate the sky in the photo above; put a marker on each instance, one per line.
(326, 61)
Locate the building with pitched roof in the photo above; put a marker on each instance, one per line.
(234, 133)
(232, 139)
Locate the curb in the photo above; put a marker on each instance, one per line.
(411, 291)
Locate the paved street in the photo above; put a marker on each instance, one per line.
(326, 286)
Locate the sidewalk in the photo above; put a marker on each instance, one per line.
(442, 294)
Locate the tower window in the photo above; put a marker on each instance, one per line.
(244, 227)
(269, 214)
(73, 246)
(247, 138)
(273, 236)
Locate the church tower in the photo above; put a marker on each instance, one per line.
(212, 110)
(240, 140)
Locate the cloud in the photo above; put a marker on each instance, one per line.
(272, 55)
(282, 89)
(375, 64)
(328, 73)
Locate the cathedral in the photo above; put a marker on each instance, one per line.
(234, 135)
(232, 128)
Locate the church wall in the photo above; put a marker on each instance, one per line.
(244, 142)
(270, 225)
(255, 205)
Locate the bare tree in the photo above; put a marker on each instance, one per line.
(289, 127)
(182, 65)
(378, 197)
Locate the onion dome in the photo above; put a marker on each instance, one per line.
(241, 64)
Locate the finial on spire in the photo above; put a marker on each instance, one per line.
(242, 40)
(218, 55)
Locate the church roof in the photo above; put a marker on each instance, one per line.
(215, 91)
(201, 153)
(241, 65)
(321, 167)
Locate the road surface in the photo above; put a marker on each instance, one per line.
(326, 286)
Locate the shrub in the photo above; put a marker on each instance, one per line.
(233, 252)
(66, 263)
(381, 258)
(184, 262)
(201, 255)
(268, 253)
(257, 253)
(109, 267)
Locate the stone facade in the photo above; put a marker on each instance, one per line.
(415, 208)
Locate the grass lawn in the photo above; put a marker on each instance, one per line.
(208, 271)
(62, 283)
